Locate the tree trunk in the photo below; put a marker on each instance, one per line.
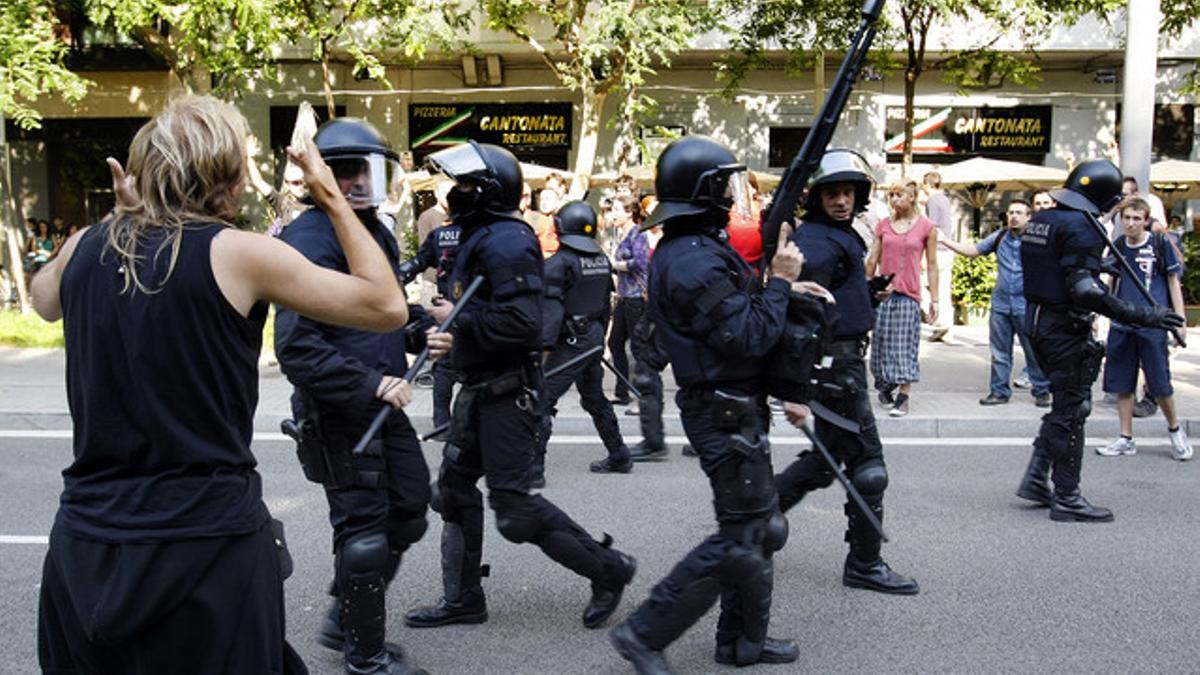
(12, 224)
(910, 95)
(625, 140)
(591, 108)
(326, 85)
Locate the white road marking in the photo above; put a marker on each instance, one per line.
(789, 441)
(24, 539)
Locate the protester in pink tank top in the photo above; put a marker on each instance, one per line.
(898, 248)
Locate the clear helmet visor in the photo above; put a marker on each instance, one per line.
(365, 179)
(741, 192)
(461, 160)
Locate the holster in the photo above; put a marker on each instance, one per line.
(1089, 363)
(575, 327)
(837, 390)
(329, 464)
(743, 486)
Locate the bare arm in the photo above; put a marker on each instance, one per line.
(45, 285)
(251, 267)
(968, 250)
(873, 257)
(931, 244)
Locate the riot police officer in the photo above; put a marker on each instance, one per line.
(377, 500)
(833, 253)
(493, 433)
(575, 319)
(717, 323)
(1061, 253)
(437, 252)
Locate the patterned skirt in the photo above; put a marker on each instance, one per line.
(897, 340)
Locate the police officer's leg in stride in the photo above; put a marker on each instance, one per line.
(590, 385)
(443, 391)
(460, 504)
(373, 526)
(733, 564)
(653, 446)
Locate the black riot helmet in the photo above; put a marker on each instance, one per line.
(841, 165)
(360, 159)
(1093, 186)
(488, 179)
(575, 223)
(695, 175)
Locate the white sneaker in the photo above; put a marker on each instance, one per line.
(1181, 448)
(1022, 382)
(1121, 446)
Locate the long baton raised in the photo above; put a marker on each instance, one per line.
(1128, 269)
(416, 366)
(549, 373)
(850, 489)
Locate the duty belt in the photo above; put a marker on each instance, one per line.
(848, 347)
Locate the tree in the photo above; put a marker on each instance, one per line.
(796, 25)
(31, 66)
(597, 48)
(371, 31)
(210, 45)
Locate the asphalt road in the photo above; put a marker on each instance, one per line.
(1004, 589)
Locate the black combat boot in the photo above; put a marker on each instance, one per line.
(332, 637)
(645, 660)
(643, 452)
(876, 576)
(773, 651)
(606, 597)
(1072, 507)
(469, 607)
(383, 663)
(1035, 486)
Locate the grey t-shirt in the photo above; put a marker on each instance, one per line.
(937, 209)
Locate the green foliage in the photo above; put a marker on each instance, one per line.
(28, 330)
(972, 280)
(31, 61)
(227, 42)
(1191, 271)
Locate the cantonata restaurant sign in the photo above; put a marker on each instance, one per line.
(1020, 130)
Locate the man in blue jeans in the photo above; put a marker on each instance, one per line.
(1008, 306)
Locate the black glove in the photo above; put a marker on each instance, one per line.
(1155, 316)
(1110, 266)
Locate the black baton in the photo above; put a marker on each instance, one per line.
(549, 373)
(624, 380)
(415, 368)
(850, 489)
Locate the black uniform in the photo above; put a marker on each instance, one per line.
(377, 500)
(437, 252)
(833, 257)
(162, 557)
(717, 323)
(497, 343)
(578, 285)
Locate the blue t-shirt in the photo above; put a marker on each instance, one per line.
(1144, 261)
(1008, 295)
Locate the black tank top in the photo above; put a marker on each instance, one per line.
(162, 388)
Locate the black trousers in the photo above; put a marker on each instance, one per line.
(853, 450)
(626, 314)
(444, 378)
(588, 378)
(731, 565)
(198, 606)
(1071, 357)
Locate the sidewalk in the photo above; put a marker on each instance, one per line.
(945, 404)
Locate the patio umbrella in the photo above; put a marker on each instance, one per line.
(1176, 179)
(644, 175)
(979, 176)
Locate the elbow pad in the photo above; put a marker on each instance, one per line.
(1090, 295)
(409, 269)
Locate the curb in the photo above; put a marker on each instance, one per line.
(581, 425)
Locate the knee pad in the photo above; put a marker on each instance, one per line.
(406, 530)
(1082, 411)
(871, 478)
(454, 494)
(741, 562)
(775, 532)
(364, 554)
(516, 516)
